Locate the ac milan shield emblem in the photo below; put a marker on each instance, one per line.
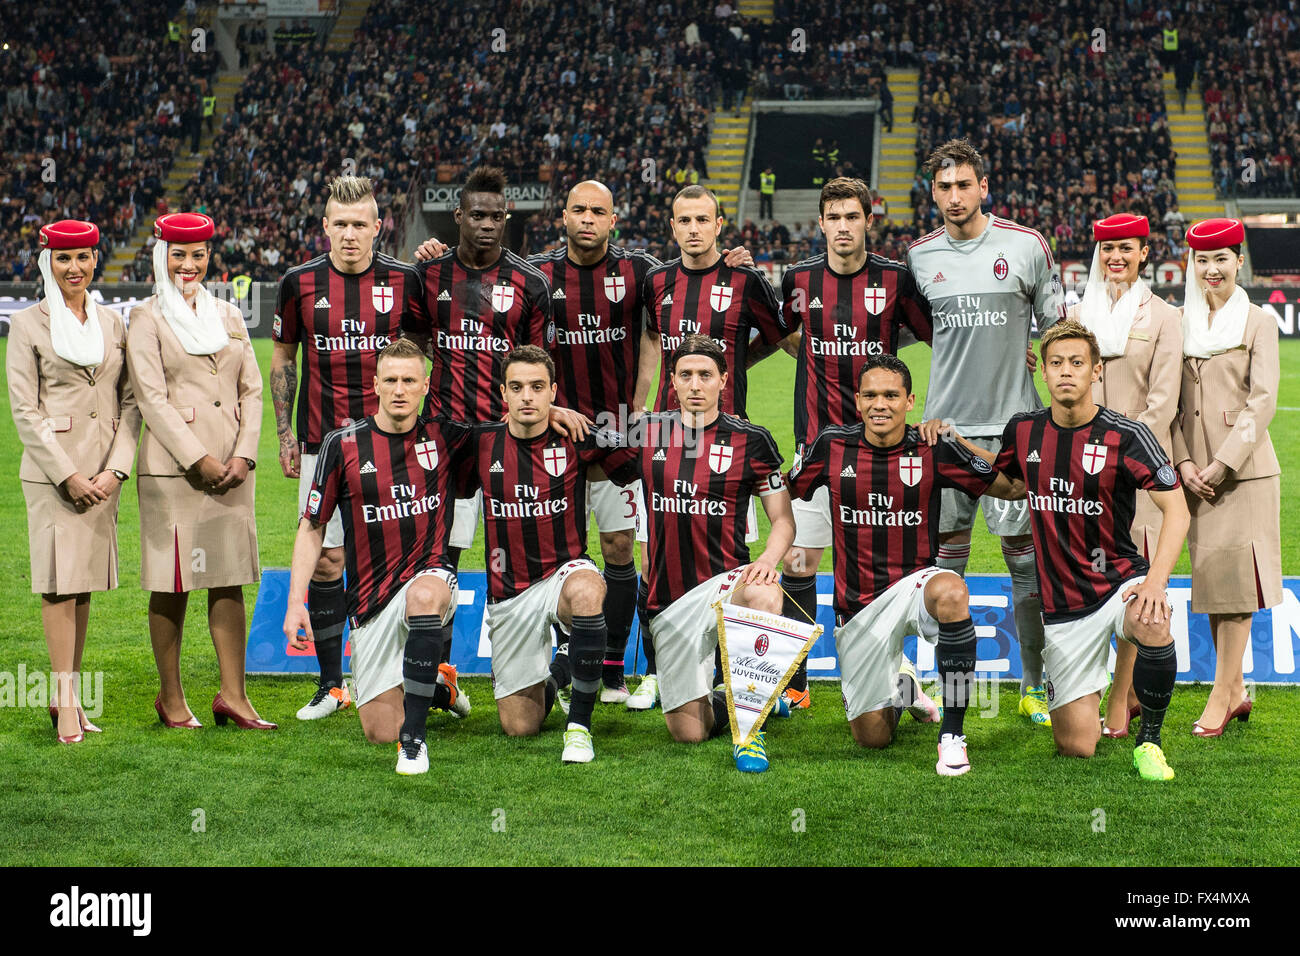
(555, 460)
(760, 645)
(720, 458)
(874, 299)
(503, 297)
(1000, 268)
(382, 297)
(909, 470)
(615, 288)
(1094, 458)
(720, 298)
(426, 453)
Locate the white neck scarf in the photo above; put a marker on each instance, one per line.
(200, 330)
(1200, 339)
(1109, 323)
(81, 343)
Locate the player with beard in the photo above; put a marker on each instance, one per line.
(986, 279)
(342, 307)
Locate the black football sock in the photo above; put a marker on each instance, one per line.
(643, 620)
(800, 604)
(721, 720)
(327, 610)
(620, 609)
(419, 673)
(955, 655)
(548, 699)
(562, 665)
(587, 640)
(1154, 672)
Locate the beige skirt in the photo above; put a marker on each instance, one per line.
(190, 539)
(72, 551)
(1147, 519)
(1236, 547)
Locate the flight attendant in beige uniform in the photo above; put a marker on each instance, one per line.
(1141, 339)
(77, 419)
(200, 391)
(1226, 460)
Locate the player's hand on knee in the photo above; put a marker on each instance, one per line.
(760, 572)
(1147, 603)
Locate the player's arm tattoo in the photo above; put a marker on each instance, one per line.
(284, 386)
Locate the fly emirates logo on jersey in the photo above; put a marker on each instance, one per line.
(1060, 498)
(352, 337)
(686, 500)
(688, 327)
(845, 342)
(406, 502)
(472, 338)
(528, 503)
(880, 512)
(968, 311)
(591, 330)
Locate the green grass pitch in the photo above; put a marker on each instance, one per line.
(319, 794)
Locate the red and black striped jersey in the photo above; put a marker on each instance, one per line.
(396, 493)
(534, 500)
(473, 317)
(342, 321)
(1082, 487)
(845, 320)
(599, 317)
(726, 304)
(696, 484)
(884, 504)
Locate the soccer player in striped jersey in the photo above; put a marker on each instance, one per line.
(389, 479)
(842, 307)
(534, 486)
(885, 486)
(987, 280)
(699, 467)
(342, 307)
(702, 293)
(1082, 465)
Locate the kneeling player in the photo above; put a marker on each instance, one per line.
(534, 484)
(699, 467)
(885, 482)
(1083, 465)
(390, 475)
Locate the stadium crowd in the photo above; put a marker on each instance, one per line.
(92, 120)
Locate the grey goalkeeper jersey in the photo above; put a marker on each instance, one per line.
(984, 293)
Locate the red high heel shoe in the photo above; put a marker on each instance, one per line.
(221, 712)
(1133, 712)
(86, 726)
(190, 724)
(74, 739)
(1240, 712)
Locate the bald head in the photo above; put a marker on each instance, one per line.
(588, 218)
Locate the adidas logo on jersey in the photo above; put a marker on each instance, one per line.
(816, 303)
(1032, 457)
(938, 277)
(496, 468)
(322, 303)
(558, 294)
(444, 296)
(659, 456)
(848, 472)
(668, 299)
(368, 468)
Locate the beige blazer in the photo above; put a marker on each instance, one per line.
(1227, 402)
(70, 419)
(1143, 383)
(193, 405)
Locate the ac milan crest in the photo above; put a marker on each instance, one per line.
(1094, 458)
(874, 299)
(503, 297)
(1000, 268)
(382, 297)
(426, 453)
(909, 470)
(720, 458)
(615, 288)
(720, 298)
(760, 645)
(555, 460)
